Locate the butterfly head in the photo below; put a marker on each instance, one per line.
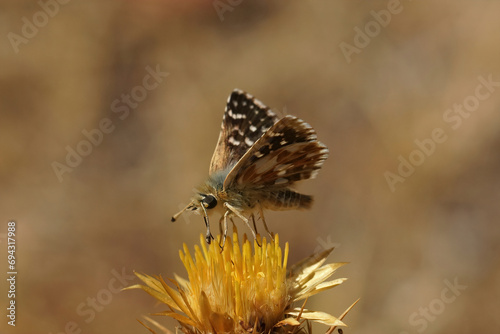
(204, 204)
(201, 204)
(208, 197)
(208, 201)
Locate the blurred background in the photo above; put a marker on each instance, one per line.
(405, 95)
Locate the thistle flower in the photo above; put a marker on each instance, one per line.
(238, 290)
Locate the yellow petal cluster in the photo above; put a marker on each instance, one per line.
(242, 290)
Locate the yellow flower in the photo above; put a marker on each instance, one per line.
(238, 290)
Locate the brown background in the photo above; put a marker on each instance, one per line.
(112, 211)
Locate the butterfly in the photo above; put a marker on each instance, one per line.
(258, 158)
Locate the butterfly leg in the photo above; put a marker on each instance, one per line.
(208, 235)
(257, 232)
(261, 213)
(238, 213)
(254, 225)
(224, 235)
(221, 220)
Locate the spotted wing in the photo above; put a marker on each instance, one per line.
(245, 120)
(288, 152)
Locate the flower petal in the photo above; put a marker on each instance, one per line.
(288, 322)
(155, 289)
(179, 317)
(303, 286)
(178, 300)
(182, 282)
(310, 263)
(321, 317)
(162, 297)
(309, 290)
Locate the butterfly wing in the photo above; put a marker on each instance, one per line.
(288, 152)
(245, 120)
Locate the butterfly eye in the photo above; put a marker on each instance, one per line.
(209, 201)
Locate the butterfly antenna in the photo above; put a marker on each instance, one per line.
(174, 217)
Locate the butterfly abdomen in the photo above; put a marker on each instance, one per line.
(286, 199)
